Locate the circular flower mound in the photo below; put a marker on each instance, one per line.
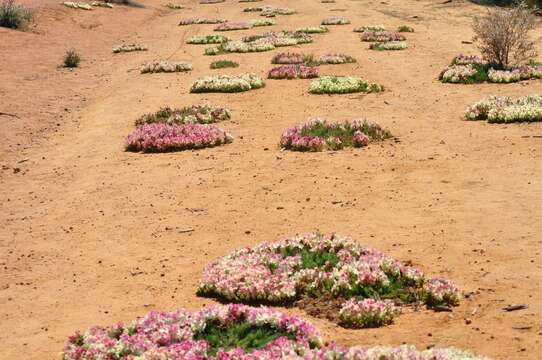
(502, 109)
(160, 137)
(388, 45)
(381, 36)
(342, 85)
(158, 66)
(311, 265)
(227, 83)
(224, 332)
(318, 134)
(293, 72)
(335, 20)
(202, 114)
(368, 313)
(288, 58)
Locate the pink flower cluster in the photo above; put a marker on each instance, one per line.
(381, 36)
(230, 25)
(463, 59)
(273, 272)
(368, 313)
(288, 58)
(293, 72)
(160, 137)
(174, 335)
(525, 72)
(441, 291)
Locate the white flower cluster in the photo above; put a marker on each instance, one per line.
(458, 73)
(227, 83)
(342, 85)
(158, 66)
(502, 109)
(207, 39)
(389, 45)
(374, 28)
(313, 29)
(129, 48)
(263, 22)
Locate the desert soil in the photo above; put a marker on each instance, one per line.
(91, 234)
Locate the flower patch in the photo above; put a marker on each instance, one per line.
(502, 109)
(196, 21)
(316, 265)
(335, 20)
(231, 26)
(165, 66)
(388, 45)
(262, 22)
(173, 6)
(200, 114)
(335, 59)
(272, 11)
(129, 48)
(368, 313)
(370, 28)
(381, 36)
(471, 69)
(313, 29)
(229, 332)
(207, 39)
(227, 83)
(220, 64)
(160, 137)
(342, 85)
(319, 135)
(288, 58)
(293, 72)
(211, 1)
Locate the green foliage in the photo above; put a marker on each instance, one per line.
(14, 16)
(72, 59)
(405, 28)
(220, 64)
(239, 334)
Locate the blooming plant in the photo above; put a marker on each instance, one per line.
(174, 6)
(335, 20)
(165, 66)
(381, 36)
(229, 332)
(293, 72)
(220, 64)
(230, 26)
(466, 74)
(201, 114)
(76, 5)
(463, 59)
(281, 38)
(263, 22)
(368, 313)
(370, 28)
(335, 59)
(318, 135)
(211, 1)
(388, 45)
(502, 109)
(160, 137)
(193, 21)
(288, 58)
(129, 48)
(342, 85)
(272, 11)
(440, 292)
(102, 4)
(227, 83)
(207, 39)
(313, 29)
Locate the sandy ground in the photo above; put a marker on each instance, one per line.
(90, 234)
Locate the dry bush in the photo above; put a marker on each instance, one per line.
(13, 15)
(503, 35)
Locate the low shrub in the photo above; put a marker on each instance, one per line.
(102, 4)
(405, 28)
(319, 135)
(388, 45)
(174, 6)
(342, 85)
(207, 39)
(368, 313)
(71, 59)
(231, 26)
(246, 47)
(159, 66)
(463, 59)
(335, 20)
(13, 15)
(293, 72)
(288, 58)
(327, 1)
(502, 109)
(129, 48)
(227, 83)
(197, 21)
(221, 64)
(200, 114)
(370, 28)
(211, 1)
(381, 36)
(440, 291)
(262, 22)
(525, 72)
(160, 137)
(335, 59)
(77, 5)
(313, 29)
(465, 74)
(272, 11)
(249, 1)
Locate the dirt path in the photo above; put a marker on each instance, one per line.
(91, 234)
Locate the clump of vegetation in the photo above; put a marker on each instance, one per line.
(263, 22)
(503, 36)
(129, 48)
(71, 59)
(405, 28)
(227, 83)
(198, 21)
(388, 45)
(174, 6)
(221, 64)
(159, 66)
(335, 59)
(502, 109)
(381, 36)
(76, 5)
(370, 28)
(231, 26)
(335, 20)
(207, 39)
(342, 85)
(293, 71)
(313, 29)
(195, 114)
(14, 16)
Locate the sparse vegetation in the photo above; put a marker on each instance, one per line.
(13, 15)
(502, 36)
(71, 59)
(220, 64)
(342, 85)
